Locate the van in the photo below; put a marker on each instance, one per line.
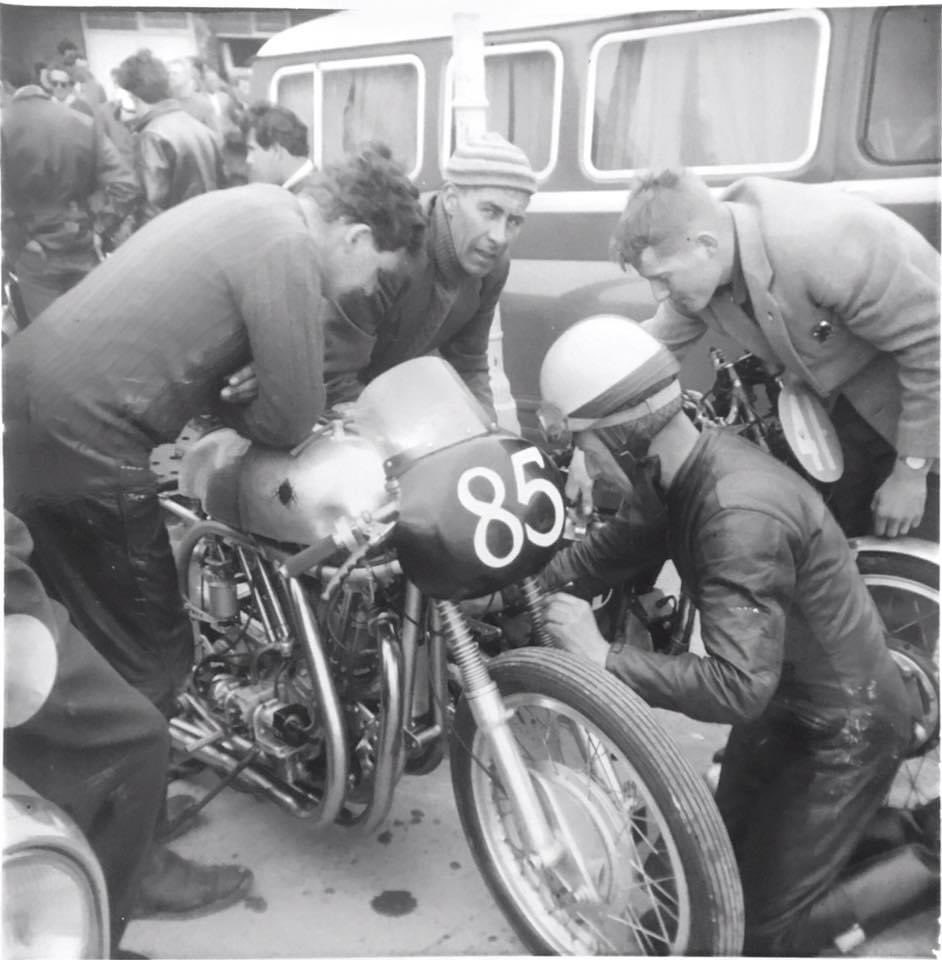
(593, 94)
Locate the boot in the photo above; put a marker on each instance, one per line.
(174, 887)
(878, 893)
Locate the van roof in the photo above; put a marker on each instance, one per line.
(402, 22)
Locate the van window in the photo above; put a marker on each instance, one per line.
(903, 116)
(294, 89)
(522, 84)
(724, 94)
(374, 100)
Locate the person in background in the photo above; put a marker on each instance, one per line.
(86, 86)
(100, 751)
(54, 160)
(278, 146)
(177, 157)
(795, 651)
(186, 87)
(230, 120)
(143, 345)
(830, 288)
(61, 83)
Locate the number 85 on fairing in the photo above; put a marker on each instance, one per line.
(479, 515)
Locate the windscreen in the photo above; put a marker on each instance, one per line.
(418, 407)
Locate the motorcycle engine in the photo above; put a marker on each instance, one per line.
(252, 675)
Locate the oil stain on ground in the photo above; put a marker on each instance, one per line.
(394, 903)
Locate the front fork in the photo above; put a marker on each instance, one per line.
(491, 716)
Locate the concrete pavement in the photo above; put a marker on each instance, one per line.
(411, 889)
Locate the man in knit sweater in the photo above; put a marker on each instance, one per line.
(447, 302)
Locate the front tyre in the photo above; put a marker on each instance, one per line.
(905, 589)
(632, 815)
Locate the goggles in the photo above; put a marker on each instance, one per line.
(559, 429)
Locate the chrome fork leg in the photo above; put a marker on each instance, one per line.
(490, 715)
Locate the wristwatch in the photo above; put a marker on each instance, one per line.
(915, 463)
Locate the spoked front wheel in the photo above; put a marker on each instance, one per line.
(905, 590)
(635, 821)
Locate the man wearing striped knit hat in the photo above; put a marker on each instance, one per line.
(447, 302)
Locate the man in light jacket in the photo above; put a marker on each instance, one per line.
(827, 287)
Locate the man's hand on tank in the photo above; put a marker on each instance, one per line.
(241, 386)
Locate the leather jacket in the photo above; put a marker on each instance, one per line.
(177, 157)
(786, 621)
(54, 161)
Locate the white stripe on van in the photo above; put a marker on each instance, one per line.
(901, 190)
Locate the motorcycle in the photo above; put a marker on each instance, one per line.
(333, 656)
(55, 901)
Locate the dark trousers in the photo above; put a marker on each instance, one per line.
(796, 799)
(868, 461)
(99, 751)
(45, 275)
(108, 560)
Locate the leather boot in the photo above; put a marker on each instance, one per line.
(174, 887)
(875, 895)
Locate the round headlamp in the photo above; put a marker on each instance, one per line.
(49, 907)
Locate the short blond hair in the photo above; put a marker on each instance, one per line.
(662, 207)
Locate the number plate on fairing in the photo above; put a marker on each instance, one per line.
(478, 516)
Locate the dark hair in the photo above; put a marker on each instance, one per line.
(276, 124)
(67, 44)
(370, 187)
(145, 76)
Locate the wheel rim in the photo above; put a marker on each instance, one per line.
(610, 825)
(910, 612)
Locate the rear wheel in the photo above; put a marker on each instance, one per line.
(905, 590)
(638, 825)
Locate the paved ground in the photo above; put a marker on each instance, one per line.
(410, 889)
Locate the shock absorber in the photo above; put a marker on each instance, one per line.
(491, 716)
(533, 597)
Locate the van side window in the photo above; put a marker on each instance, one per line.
(742, 92)
(381, 100)
(903, 115)
(294, 89)
(522, 83)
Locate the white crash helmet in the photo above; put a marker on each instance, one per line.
(604, 370)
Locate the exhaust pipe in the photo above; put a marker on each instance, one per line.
(192, 739)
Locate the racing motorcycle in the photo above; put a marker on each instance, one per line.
(334, 656)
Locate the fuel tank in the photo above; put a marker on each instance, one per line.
(300, 498)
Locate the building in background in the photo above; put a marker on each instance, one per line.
(226, 39)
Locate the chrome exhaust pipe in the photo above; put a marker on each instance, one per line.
(389, 747)
(192, 739)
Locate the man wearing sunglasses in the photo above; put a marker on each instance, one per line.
(796, 658)
(62, 85)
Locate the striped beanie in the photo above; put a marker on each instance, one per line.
(490, 161)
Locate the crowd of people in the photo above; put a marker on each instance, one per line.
(150, 294)
(82, 172)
